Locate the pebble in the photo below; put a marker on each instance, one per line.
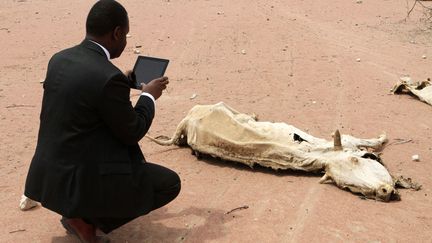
(136, 51)
(193, 96)
(359, 1)
(358, 60)
(424, 56)
(243, 52)
(415, 157)
(42, 81)
(128, 36)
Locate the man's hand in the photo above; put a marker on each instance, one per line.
(156, 86)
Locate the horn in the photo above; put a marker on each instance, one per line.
(337, 143)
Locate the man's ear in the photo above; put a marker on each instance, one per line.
(117, 33)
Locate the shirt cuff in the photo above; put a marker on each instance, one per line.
(150, 96)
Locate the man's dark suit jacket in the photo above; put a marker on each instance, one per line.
(87, 145)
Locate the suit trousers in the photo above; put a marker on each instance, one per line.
(166, 186)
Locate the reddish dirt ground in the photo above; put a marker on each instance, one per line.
(287, 61)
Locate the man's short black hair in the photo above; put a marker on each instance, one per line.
(104, 16)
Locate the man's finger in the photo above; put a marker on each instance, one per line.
(164, 83)
(162, 80)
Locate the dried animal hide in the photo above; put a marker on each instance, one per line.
(222, 132)
(422, 90)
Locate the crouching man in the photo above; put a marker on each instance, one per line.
(88, 166)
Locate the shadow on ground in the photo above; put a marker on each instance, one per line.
(206, 224)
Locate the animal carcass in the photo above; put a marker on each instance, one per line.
(423, 89)
(222, 132)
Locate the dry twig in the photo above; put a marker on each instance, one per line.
(400, 141)
(18, 230)
(421, 4)
(15, 106)
(238, 208)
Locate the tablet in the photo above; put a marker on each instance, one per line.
(148, 68)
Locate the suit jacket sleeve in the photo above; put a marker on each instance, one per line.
(127, 123)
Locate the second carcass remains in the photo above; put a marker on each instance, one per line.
(422, 90)
(222, 132)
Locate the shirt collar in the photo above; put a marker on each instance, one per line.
(103, 48)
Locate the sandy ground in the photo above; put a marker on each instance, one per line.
(298, 66)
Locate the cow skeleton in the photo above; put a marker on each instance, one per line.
(222, 132)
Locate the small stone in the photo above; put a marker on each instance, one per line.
(193, 96)
(243, 52)
(424, 56)
(314, 102)
(358, 60)
(42, 81)
(359, 1)
(136, 51)
(412, 41)
(128, 36)
(415, 157)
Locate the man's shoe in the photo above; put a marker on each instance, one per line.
(86, 233)
(70, 230)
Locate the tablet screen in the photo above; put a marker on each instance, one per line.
(148, 68)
